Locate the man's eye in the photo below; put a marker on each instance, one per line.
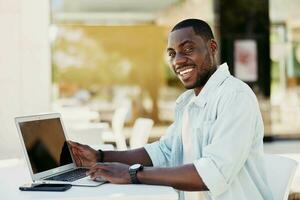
(171, 54)
(188, 50)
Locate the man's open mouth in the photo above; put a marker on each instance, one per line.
(185, 72)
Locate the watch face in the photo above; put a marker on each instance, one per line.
(135, 166)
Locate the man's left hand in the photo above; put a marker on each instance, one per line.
(112, 172)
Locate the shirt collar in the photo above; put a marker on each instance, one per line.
(216, 79)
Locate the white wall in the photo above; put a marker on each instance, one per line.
(25, 72)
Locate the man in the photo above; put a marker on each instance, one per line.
(215, 143)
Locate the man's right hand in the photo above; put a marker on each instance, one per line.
(84, 155)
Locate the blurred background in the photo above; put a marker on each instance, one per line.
(89, 59)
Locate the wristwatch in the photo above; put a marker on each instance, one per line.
(133, 170)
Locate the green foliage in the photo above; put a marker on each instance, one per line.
(83, 63)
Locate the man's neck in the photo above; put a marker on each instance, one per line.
(197, 90)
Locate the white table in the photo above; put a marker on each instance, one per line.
(14, 173)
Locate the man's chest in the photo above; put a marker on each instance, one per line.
(196, 127)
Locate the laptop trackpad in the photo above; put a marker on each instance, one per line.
(87, 181)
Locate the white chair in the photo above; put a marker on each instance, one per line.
(79, 114)
(280, 173)
(116, 134)
(85, 132)
(140, 132)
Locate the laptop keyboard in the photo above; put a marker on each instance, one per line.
(70, 176)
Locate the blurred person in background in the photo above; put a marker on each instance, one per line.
(215, 143)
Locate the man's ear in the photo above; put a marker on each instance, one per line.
(213, 46)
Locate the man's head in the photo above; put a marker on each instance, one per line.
(192, 50)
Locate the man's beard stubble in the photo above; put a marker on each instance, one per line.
(203, 78)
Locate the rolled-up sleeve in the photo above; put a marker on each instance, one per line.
(231, 137)
(160, 151)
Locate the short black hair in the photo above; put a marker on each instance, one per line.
(200, 27)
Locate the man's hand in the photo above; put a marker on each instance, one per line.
(112, 172)
(83, 155)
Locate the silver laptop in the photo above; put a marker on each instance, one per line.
(47, 153)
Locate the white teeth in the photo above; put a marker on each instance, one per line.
(185, 71)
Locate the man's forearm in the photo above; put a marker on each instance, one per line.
(129, 157)
(183, 177)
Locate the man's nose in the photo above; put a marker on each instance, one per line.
(179, 59)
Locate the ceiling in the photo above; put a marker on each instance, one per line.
(150, 11)
(108, 11)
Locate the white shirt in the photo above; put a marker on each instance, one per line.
(188, 151)
(227, 132)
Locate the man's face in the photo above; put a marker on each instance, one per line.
(191, 57)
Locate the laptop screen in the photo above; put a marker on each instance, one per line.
(45, 144)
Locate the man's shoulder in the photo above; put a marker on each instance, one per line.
(233, 84)
(235, 87)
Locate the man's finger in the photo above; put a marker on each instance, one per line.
(72, 149)
(97, 167)
(75, 144)
(77, 159)
(75, 152)
(100, 173)
(92, 170)
(72, 143)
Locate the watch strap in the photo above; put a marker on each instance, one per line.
(101, 156)
(133, 175)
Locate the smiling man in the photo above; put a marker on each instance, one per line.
(215, 144)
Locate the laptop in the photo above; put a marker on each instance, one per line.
(47, 153)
